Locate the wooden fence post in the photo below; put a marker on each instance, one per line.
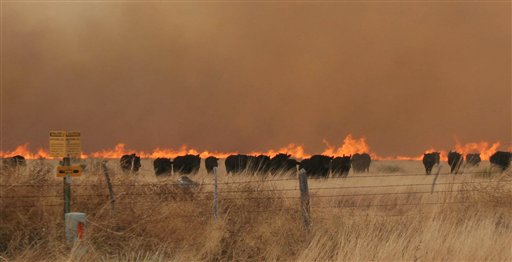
(109, 185)
(435, 179)
(304, 198)
(215, 195)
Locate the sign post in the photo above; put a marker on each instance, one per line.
(67, 187)
(66, 144)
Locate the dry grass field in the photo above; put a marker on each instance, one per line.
(389, 214)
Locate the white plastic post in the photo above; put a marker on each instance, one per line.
(75, 227)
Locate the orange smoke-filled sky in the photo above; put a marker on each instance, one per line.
(247, 76)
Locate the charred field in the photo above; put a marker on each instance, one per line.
(390, 213)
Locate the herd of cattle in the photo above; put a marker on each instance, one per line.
(455, 160)
(315, 166)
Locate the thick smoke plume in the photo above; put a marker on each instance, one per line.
(247, 77)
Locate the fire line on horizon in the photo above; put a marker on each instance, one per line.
(349, 146)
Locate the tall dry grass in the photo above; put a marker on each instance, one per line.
(469, 218)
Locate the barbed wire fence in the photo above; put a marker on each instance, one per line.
(264, 179)
(158, 193)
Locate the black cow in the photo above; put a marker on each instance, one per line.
(429, 160)
(162, 166)
(473, 159)
(264, 163)
(187, 164)
(283, 163)
(211, 162)
(361, 162)
(130, 163)
(236, 163)
(437, 156)
(501, 159)
(259, 164)
(252, 165)
(340, 166)
(291, 166)
(15, 161)
(317, 165)
(454, 161)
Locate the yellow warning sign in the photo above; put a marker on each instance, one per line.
(58, 143)
(73, 144)
(74, 171)
(65, 144)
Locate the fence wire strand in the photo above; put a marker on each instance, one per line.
(263, 180)
(259, 190)
(401, 204)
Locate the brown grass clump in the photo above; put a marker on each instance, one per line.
(363, 217)
(388, 169)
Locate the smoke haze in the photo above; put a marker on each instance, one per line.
(254, 76)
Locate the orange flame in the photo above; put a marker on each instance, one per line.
(350, 146)
(443, 155)
(23, 150)
(183, 150)
(405, 158)
(120, 149)
(484, 148)
(297, 151)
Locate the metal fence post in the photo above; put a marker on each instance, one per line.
(66, 161)
(215, 195)
(304, 198)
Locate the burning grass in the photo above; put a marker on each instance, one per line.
(467, 218)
